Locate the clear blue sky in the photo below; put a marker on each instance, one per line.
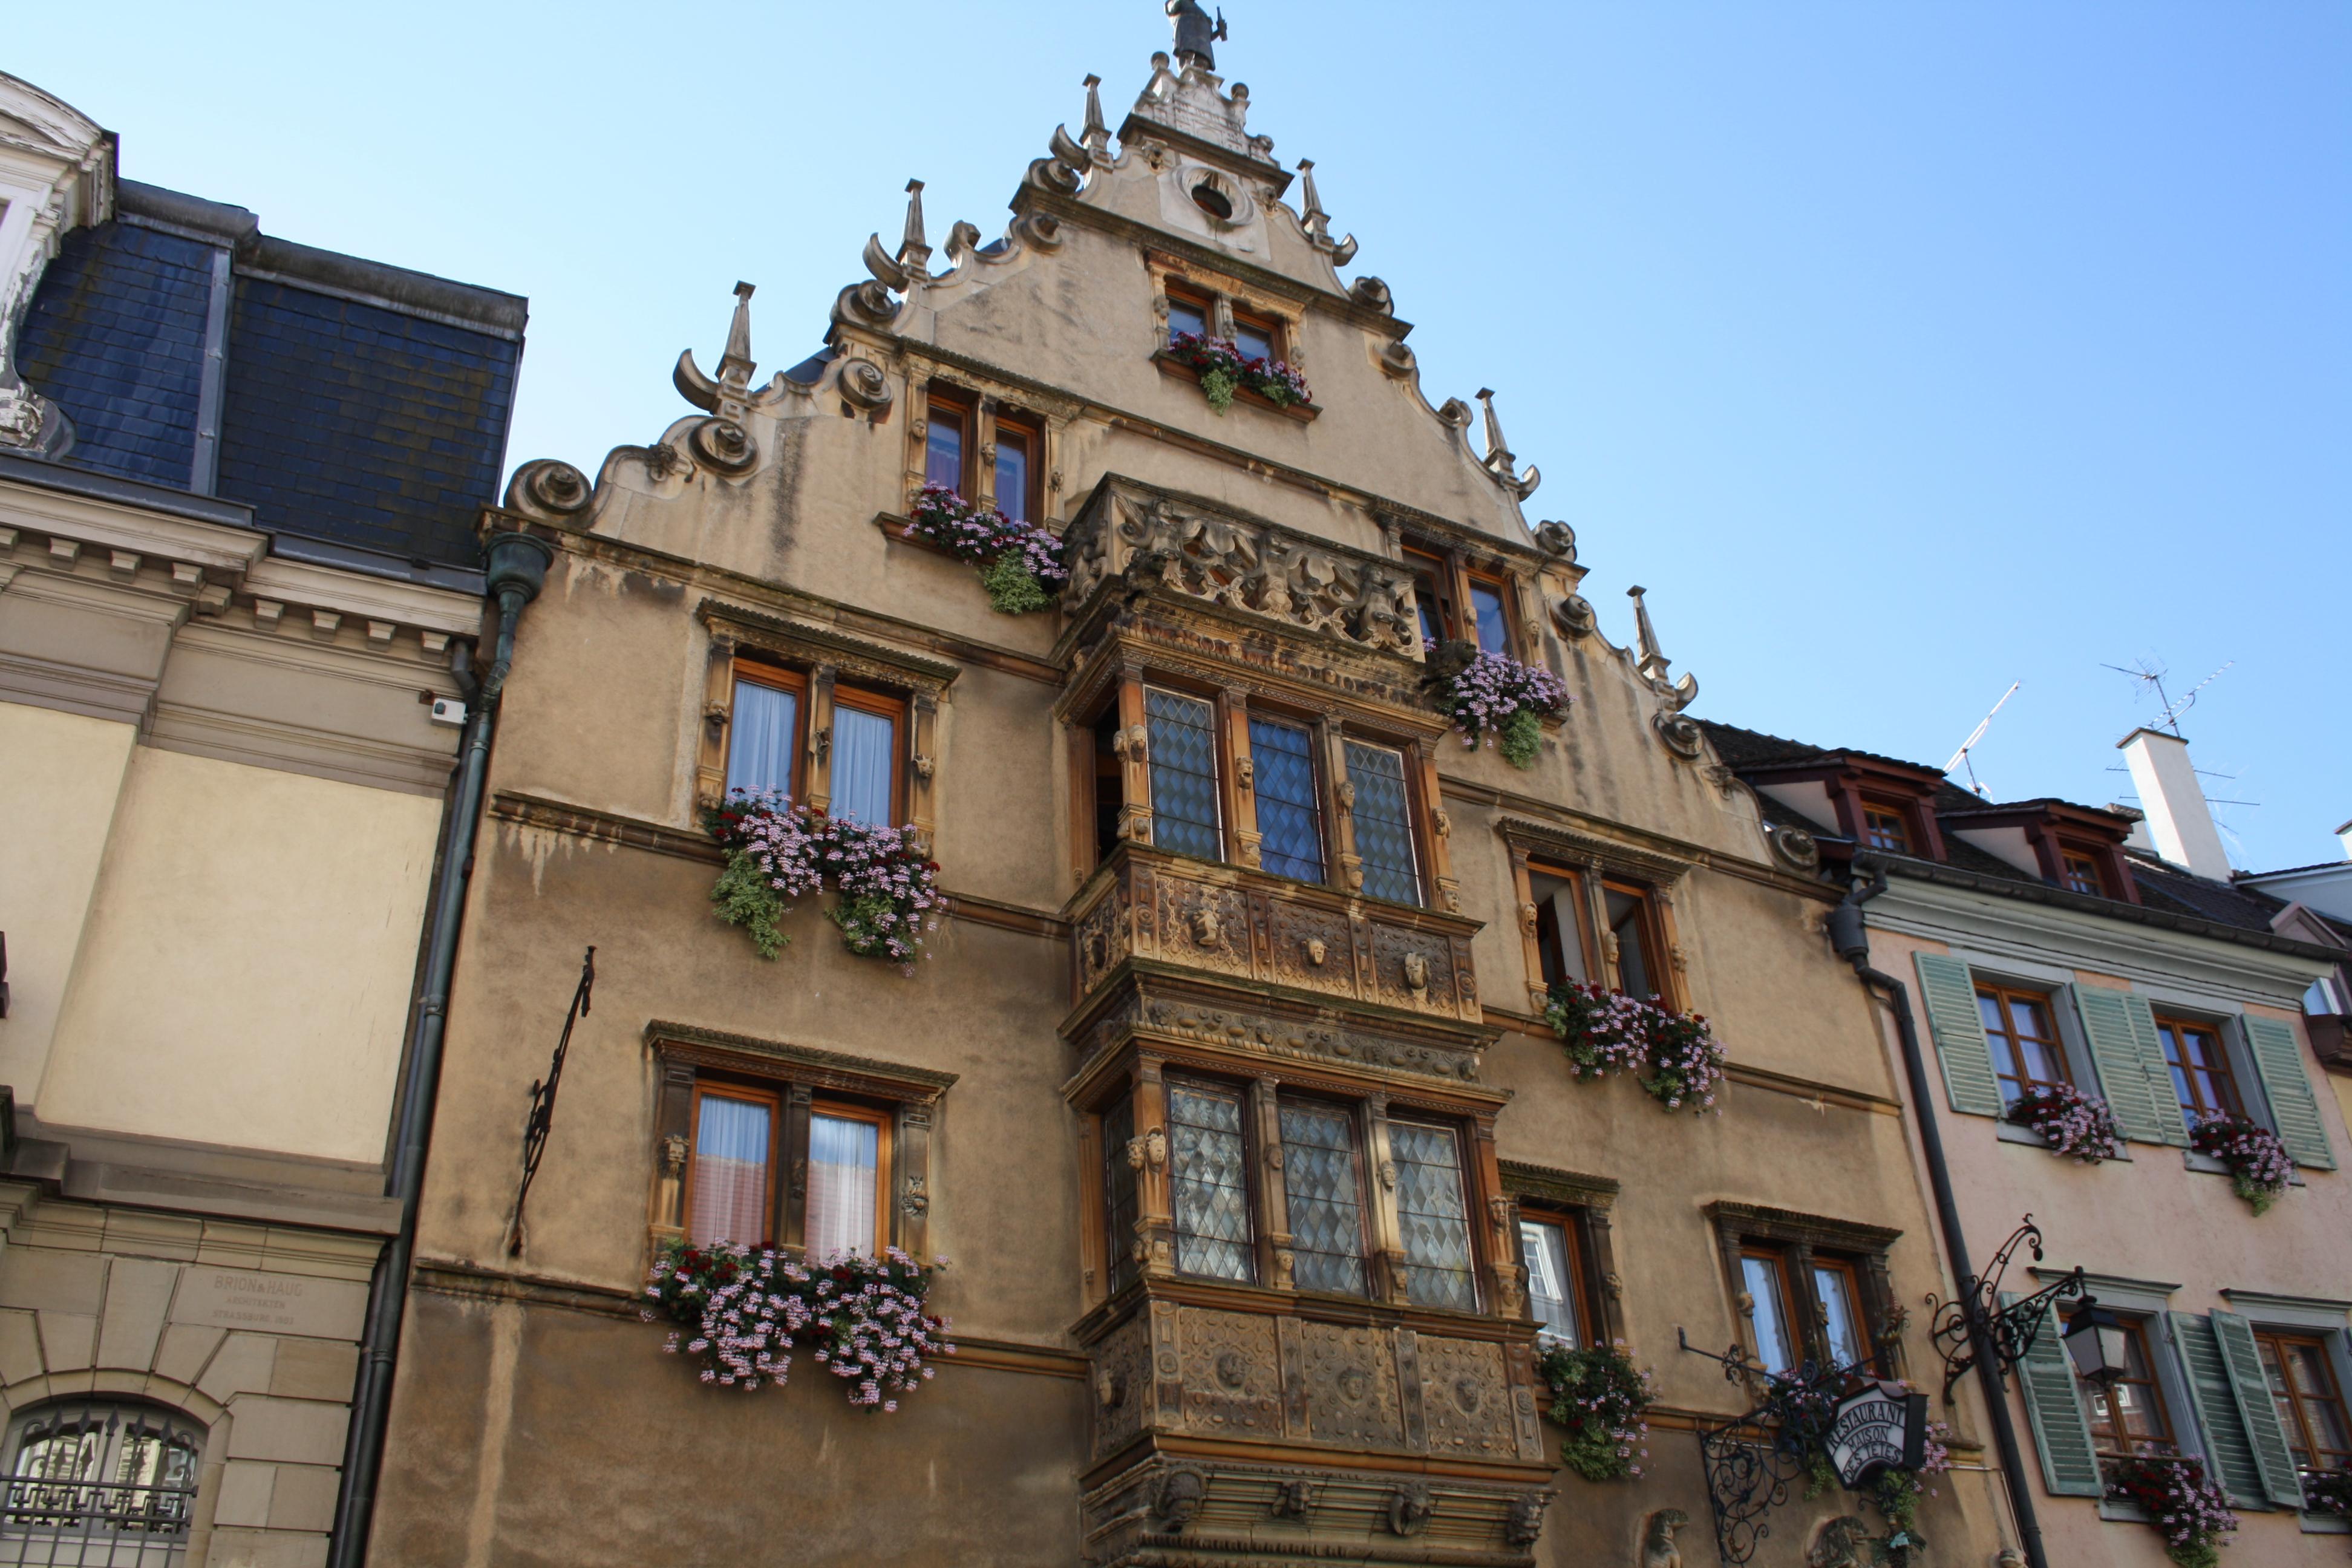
(1901, 351)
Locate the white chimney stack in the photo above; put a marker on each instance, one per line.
(2344, 835)
(2179, 820)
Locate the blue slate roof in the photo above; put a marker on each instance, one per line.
(360, 404)
(363, 424)
(116, 337)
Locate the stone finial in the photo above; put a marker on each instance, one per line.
(1499, 461)
(914, 250)
(735, 366)
(1316, 221)
(1673, 695)
(1096, 134)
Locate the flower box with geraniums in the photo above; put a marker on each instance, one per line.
(1223, 370)
(1599, 1396)
(2075, 1125)
(743, 1310)
(1494, 700)
(777, 851)
(2179, 1501)
(1673, 1056)
(1020, 563)
(2327, 1493)
(2259, 1166)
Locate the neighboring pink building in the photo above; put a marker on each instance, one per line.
(2044, 959)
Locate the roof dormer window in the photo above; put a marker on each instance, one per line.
(1886, 826)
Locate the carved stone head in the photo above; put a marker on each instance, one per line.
(1410, 1508)
(1316, 950)
(1525, 1521)
(1416, 974)
(1177, 1500)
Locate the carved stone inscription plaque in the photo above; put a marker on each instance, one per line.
(269, 1303)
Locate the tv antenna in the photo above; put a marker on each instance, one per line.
(1961, 756)
(2150, 674)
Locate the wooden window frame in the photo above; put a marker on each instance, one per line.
(1553, 849)
(903, 1099)
(2225, 1055)
(2098, 1404)
(1655, 955)
(776, 676)
(1581, 909)
(1274, 329)
(1030, 431)
(2069, 855)
(1803, 1241)
(1201, 300)
(728, 1088)
(965, 402)
(1504, 593)
(1583, 1205)
(2278, 1341)
(882, 705)
(1411, 758)
(1903, 816)
(885, 1171)
(2008, 1062)
(1852, 1273)
(1777, 1259)
(1582, 1299)
(1439, 571)
(828, 664)
(1249, 1164)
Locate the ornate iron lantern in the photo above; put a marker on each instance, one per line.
(2097, 1341)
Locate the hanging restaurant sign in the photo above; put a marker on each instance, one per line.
(1884, 1427)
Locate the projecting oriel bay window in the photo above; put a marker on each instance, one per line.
(1226, 775)
(1255, 1184)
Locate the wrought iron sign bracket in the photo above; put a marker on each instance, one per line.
(540, 1119)
(2010, 1330)
(1752, 1460)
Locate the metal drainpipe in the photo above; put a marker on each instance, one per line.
(518, 566)
(1849, 937)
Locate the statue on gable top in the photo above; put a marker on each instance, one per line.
(1195, 33)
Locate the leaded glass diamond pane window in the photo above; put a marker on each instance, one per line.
(1289, 817)
(1207, 1182)
(1383, 823)
(1326, 1212)
(1432, 1218)
(1183, 757)
(1119, 1190)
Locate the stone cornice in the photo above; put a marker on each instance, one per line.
(832, 1069)
(824, 644)
(1789, 1224)
(1586, 848)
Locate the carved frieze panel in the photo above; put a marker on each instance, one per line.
(1233, 1376)
(1352, 1397)
(1154, 544)
(1466, 1398)
(1122, 1384)
(1311, 948)
(1231, 922)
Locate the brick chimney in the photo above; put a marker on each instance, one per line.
(2179, 820)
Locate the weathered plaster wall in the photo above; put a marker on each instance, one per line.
(60, 773)
(245, 978)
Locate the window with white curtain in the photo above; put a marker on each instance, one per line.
(865, 764)
(764, 742)
(734, 1133)
(846, 1156)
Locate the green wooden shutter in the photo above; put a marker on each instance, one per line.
(2123, 1078)
(2172, 1126)
(2062, 1434)
(2228, 1446)
(2278, 1058)
(1950, 999)
(2263, 1429)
